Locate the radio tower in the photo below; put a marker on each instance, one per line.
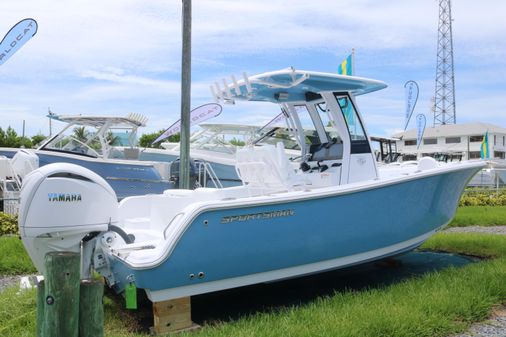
(444, 101)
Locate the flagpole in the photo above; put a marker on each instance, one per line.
(184, 155)
(353, 61)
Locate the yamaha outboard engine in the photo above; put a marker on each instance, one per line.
(60, 205)
(174, 173)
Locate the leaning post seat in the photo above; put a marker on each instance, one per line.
(266, 167)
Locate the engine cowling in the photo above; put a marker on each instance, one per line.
(60, 204)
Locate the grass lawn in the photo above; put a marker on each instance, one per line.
(13, 257)
(435, 304)
(479, 216)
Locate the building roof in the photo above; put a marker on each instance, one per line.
(453, 130)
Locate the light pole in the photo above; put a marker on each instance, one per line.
(184, 155)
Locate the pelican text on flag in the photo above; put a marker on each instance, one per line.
(411, 93)
(420, 128)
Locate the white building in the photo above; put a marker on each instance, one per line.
(458, 139)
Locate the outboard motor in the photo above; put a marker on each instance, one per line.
(61, 204)
(174, 173)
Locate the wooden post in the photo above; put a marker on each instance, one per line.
(61, 308)
(91, 309)
(41, 300)
(172, 316)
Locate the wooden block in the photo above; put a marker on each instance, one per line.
(172, 315)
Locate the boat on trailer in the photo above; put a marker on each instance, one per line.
(337, 209)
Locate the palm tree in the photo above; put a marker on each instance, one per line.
(112, 139)
(81, 134)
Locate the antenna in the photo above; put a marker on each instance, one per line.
(444, 102)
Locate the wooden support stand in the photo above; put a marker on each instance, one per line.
(41, 300)
(66, 306)
(172, 316)
(91, 309)
(61, 294)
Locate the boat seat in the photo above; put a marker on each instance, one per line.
(131, 153)
(266, 167)
(5, 168)
(8, 176)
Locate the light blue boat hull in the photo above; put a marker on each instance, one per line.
(320, 230)
(149, 156)
(9, 153)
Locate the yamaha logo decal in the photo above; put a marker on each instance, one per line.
(64, 197)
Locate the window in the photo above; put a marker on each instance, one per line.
(452, 140)
(81, 140)
(428, 155)
(307, 124)
(474, 155)
(502, 140)
(359, 141)
(430, 141)
(499, 154)
(410, 142)
(495, 140)
(350, 115)
(327, 122)
(474, 139)
(407, 157)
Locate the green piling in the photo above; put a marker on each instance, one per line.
(91, 309)
(61, 307)
(40, 307)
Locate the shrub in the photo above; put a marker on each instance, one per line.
(483, 198)
(8, 224)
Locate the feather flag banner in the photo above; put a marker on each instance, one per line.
(411, 93)
(197, 115)
(420, 127)
(16, 37)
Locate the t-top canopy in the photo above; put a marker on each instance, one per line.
(130, 121)
(290, 85)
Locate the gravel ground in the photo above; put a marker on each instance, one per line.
(8, 281)
(478, 229)
(494, 327)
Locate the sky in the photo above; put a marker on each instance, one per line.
(113, 57)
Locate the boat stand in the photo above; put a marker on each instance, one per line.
(172, 316)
